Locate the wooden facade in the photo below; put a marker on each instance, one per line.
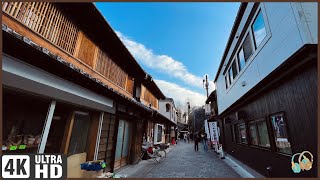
(148, 98)
(64, 47)
(49, 23)
(291, 90)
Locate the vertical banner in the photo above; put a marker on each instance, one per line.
(214, 132)
(206, 128)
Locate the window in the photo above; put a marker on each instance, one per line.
(159, 133)
(247, 47)
(241, 60)
(240, 133)
(259, 29)
(259, 133)
(226, 81)
(245, 52)
(234, 69)
(230, 75)
(79, 135)
(280, 133)
(167, 107)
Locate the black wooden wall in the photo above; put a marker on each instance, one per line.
(296, 95)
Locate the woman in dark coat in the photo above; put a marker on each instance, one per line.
(196, 142)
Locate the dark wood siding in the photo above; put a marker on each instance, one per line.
(295, 95)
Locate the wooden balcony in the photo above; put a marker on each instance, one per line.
(47, 26)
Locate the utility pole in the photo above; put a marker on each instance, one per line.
(206, 84)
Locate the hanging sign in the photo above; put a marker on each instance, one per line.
(214, 132)
(207, 109)
(206, 128)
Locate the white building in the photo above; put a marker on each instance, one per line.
(266, 85)
(168, 109)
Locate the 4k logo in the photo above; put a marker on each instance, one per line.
(15, 166)
(34, 166)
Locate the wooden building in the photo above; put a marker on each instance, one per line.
(70, 86)
(267, 87)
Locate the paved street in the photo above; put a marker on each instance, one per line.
(183, 162)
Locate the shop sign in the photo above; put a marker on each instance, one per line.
(206, 128)
(214, 135)
(207, 109)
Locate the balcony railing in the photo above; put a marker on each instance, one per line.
(45, 19)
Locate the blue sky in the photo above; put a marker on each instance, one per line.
(177, 43)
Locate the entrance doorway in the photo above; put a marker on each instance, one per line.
(123, 144)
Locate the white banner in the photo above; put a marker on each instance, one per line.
(206, 128)
(214, 132)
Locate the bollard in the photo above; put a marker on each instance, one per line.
(221, 152)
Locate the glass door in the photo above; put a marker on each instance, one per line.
(123, 144)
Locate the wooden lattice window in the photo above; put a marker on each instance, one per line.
(110, 69)
(129, 85)
(45, 19)
(149, 97)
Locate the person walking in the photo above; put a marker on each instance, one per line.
(205, 143)
(188, 137)
(196, 141)
(185, 137)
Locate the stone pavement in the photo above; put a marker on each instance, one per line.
(184, 162)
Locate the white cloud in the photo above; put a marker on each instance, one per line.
(162, 63)
(180, 94)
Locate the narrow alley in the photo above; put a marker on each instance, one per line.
(182, 162)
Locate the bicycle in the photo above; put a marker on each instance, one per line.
(157, 153)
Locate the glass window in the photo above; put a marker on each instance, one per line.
(230, 75)
(241, 59)
(259, 133)
(226, 81)
(259, 29)
(241, 135)
(280, 133)
(263, 134)
(234, 69)
(167, 107)
(247, 47)
(253, 133)
(159, 135)
(79, 135)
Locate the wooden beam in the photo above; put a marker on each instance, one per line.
(67, 134)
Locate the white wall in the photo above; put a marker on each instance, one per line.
(172, 115)
(286, 37)
(162, 109)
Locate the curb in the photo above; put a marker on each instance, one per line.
(243, 170)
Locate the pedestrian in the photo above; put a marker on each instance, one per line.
(188, 137)
(185, 137)
(205, 143)
(196, 142)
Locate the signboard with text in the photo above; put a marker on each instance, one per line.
(214, 132)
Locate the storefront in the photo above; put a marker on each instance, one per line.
(37, 124)
(43, 113)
